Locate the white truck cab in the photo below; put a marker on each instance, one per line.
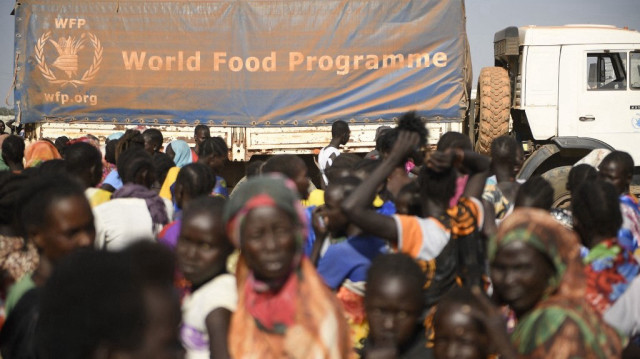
(582, 81)
(572, 89)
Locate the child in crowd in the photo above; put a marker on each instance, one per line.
(214, 153)
(394, 307)
(202, 251)
(460, 332)
(501, 187)
(344, 265)
(194, 180)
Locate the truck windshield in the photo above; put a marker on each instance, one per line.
(634, 70)
(607, 71)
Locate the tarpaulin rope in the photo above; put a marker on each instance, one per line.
(15, 76)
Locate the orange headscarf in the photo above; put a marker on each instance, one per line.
(40, 151)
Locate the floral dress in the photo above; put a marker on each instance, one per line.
(609, 269)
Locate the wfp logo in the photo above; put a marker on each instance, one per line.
(66, 65)
(635, 122)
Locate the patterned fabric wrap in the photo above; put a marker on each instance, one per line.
(493, 195)
(610, 269)
(629, 233)
(352, 302)
(318, 330)
(40, 151)
(562, 324)
(182, 151)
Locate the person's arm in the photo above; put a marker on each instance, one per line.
(489, 228)
(475, 164)
(356, 206)
(217, 323)
(320, 234)
(478, 166)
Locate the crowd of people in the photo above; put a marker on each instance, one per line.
(135, 247)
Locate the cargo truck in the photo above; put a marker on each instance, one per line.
(268, 76)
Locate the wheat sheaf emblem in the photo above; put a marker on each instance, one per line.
(67, 60)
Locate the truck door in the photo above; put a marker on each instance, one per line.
(609, 98)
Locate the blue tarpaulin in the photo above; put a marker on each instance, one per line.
(239, 63)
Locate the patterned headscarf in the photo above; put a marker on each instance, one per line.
(264, 191)
(40, 151)
(182, 151)
(540, 230)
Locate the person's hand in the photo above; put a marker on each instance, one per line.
(440, 161)
(495, 324)
(406, 144)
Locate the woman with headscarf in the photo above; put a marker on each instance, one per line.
(284, 308)
(40, 151)
(536, 270)
(180, 153)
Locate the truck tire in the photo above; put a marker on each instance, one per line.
(494, 99)
(557, 178)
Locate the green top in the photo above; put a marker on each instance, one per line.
(17, 290)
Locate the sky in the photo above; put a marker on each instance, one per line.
(484, 18)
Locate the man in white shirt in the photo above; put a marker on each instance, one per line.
(339, 136)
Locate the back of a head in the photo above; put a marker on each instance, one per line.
(213, 146)
(196, 179)
(153, 263)
(623, 159)
(386, 140)
(397, 265)
(339, 128)
(84, 161)
(254, 168)
(341, 165)
(595, 206)
(11, 191)
(536, 192)
(162, 163)
(504, 150)
(13, 149)
(213, 206)
(437, 186)
(52, 168)
(452, 139)
(346, 185)
(580, 174)
(61, 143)
(130, 139)
(93, 300)
(110, 151)
(287, 164)
(133, 163)
(408, 122)
(364, 168)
